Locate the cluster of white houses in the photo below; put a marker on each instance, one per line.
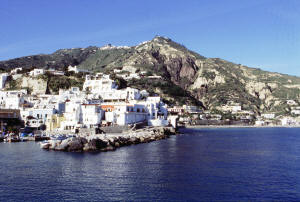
(99, 103)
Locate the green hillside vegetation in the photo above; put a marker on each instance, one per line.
(171, 93)
(54, 82)
(187, 77)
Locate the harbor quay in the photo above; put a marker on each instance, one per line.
(106, 141)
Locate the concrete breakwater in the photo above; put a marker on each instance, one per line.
(108, 142)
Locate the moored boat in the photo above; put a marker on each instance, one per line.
(58, 137)
(45, 144)
(12, 138)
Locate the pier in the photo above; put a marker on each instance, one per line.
(108, 142)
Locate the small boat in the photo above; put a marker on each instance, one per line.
(71, 135)
(12, 139)
(58, 137)
(23, 139)
(45, 144)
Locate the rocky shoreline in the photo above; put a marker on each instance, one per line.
(108, 142)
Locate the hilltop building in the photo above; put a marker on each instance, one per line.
(76, 70)
(36, 72)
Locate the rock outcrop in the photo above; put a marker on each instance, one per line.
(36, 85)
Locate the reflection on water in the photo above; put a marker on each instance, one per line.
(201, 164)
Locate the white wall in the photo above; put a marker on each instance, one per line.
(91, 115)
(158, 122)
(3, 78)
(130, 118)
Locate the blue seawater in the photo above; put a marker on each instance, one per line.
(235, 164)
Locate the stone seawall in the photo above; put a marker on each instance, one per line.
(108, 142)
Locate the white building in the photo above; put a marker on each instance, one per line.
(36, 72)
(73, 115)
(259, 123)
(15, 70)
(106, 88)
(76, 70)
(118, 70)
(40, 114)
(154, 77)
(295, 110)
(268, 116)
(78, 114)
(157, 111)
(34, 117)
(99, 83)
(33, 122)
(231, 107)
(56, 72)
(115, 95)
(124, 114)
(151, 110)
(73, 94)
(12, 99)
(73, 91)
(3, 78)
(288, 121)
(129, 76)
(291, 102)
(192, 109)
(91, 115)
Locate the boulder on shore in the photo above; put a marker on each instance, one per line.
(63, 146)
(75, 145)
(94, 145)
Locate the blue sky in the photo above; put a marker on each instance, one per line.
(256, 33)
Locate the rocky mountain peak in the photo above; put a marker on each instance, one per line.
(184, 73)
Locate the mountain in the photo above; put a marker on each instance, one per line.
(187, 77)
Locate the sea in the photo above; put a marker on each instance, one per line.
(212, 164)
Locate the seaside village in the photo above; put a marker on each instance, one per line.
(101, 106)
